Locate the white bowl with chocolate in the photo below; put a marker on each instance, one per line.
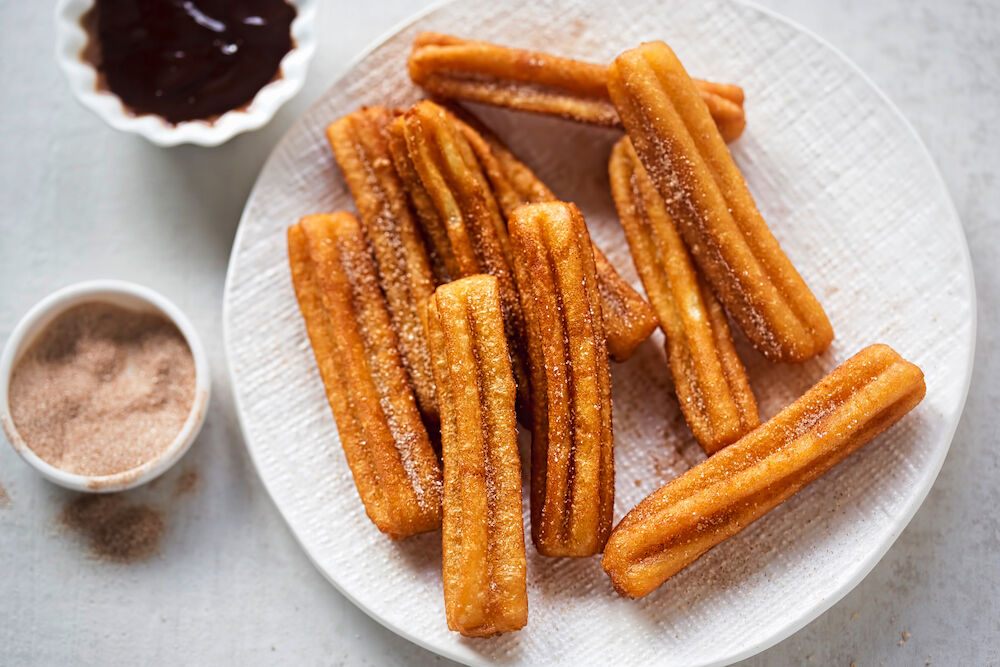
(197, 72)
(104, 386)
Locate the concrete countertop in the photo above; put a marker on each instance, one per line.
(79, 200)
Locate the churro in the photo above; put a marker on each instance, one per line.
(360, 144)
(456, 68)
(628, 319)
(719, 497)
(475, 231)
(711, 384)
(686, 158)
(439, 250)
(482, 530)
(394, 466)
(572, 462)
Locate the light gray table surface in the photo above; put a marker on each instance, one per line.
(79, 200)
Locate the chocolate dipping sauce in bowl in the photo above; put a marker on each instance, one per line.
(104, 386)
(185, 71)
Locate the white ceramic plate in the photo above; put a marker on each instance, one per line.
(859, 206)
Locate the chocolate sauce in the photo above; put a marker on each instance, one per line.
(188, 59)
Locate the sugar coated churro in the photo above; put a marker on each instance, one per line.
(360, 144)
(685, 156)
(628, 319)
(482, 531)
(394, 466)
(572, 462)
(719, 497)
(711, 384)
(439, 249)
(457, 68)
(475, 234)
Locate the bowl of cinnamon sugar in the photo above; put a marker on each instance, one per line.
(104, 386)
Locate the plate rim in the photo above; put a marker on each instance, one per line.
(933, 468)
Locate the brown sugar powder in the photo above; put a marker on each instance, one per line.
(186, 483)
(116, 530)
(103, 390)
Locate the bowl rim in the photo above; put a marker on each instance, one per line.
(82, 78)
(44, 312)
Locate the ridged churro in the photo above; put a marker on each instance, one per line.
(572, 459)
(475, 231)
(456, 68)
(394, 466)
(628, 319)
(710, 381)
(723, 495)
(439, 250)
(482, 530)
(686, 158)
(360, 144)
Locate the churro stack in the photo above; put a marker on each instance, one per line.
(712, 387)
(704, 192)
(468, 295)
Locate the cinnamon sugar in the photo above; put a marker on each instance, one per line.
(103, 390)
(186, 483)
(116, 530)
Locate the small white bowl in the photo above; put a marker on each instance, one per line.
(126, 295)
(71, 39)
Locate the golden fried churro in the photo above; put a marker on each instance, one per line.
(439, 249)
(572, 462)
(457, 68)
(476, 234)
(482, 531)
(711, 384)
(707, 197)
(394, 466)
(360, 144)
(628, 319)
(509, 177)
(719, 497)
(500, 163)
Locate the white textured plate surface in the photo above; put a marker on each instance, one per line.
(853, 197)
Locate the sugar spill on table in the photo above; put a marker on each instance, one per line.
(187, 482)
(129, 526)
(115, 529)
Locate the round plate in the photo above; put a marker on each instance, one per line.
(855, 200)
